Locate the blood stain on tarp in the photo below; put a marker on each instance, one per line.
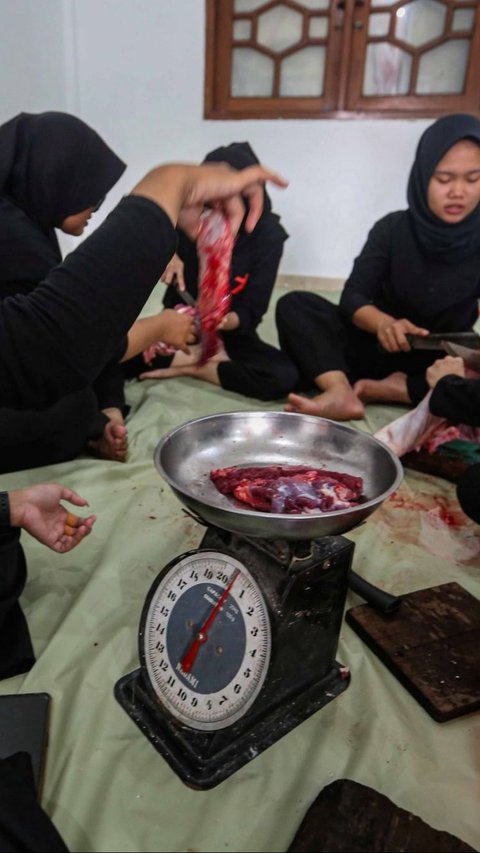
(434, 504)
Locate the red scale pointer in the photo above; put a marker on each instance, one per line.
(202, 635)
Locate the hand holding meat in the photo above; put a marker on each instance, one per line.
(38, 511)
(445, 367)
(392, 334)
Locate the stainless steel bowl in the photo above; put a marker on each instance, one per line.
(187, 454)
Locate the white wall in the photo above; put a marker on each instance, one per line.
(133, 69)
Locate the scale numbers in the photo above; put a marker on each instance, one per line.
(206, 639)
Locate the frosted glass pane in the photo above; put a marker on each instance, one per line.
(279, 28)
(318, 28)
(463, 19)
(387, 70)
(379, 24)
(302, 73)
(252, 74)
(442, 70)
(419, 22)
(315, 4)
(242, 30)
(247, 5)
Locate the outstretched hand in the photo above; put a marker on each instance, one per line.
(183, 190)
(227, 188)
(38, 510)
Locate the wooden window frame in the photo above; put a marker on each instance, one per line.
(348, 24)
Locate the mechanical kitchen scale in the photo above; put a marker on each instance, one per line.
(237, 639)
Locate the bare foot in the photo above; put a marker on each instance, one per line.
(392, 389)
(113, 443)
(338, 405)
(186, 366)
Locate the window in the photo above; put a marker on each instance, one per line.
(321, 59)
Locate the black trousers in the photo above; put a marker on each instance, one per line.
(29, 439)
(468, 492)
(315, 336)
(16, 651)
(24, 826)
(256, 369)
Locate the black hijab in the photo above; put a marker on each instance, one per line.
(452, 242)
(239, 155)
(53, 165)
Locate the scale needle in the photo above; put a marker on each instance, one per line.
(201, 636)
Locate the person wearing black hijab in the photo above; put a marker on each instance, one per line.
(245, 364)
(54, 173)
(77, 318)
(418, 273)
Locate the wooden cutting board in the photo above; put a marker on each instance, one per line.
(350, 816)
(431, 644)
(449, 461)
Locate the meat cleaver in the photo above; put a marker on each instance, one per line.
(436, 340)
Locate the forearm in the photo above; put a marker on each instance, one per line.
(168, 186)
(457, 400)
(144, 333)
(59, 338)
(371, 319)
(16, 504)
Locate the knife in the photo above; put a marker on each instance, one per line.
(437, 340)
(471, 357)
(184, 295)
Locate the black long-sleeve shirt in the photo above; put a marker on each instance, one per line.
(58, 338)
(457, 400)
(395, 275)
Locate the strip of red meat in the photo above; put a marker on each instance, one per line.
(289, 489)
(214, 249)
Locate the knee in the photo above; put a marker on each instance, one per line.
(289, 304)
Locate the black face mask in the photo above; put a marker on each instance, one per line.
(452, 242)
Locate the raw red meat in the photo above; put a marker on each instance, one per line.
(289, 489)
(214, 248)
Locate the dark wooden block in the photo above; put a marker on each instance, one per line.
(449, 461)
(431, 644)
(349, 816)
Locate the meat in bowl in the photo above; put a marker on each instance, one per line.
(291, 489)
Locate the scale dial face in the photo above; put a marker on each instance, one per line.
(205, 639)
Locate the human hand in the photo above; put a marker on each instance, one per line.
(180, 330)
(444, 367)
(229, 323)
(173, 273)
(183, 190)
(230, 190)
(38, 510)
(391, 334)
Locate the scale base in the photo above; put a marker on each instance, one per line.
(194, 757)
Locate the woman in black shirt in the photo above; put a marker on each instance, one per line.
(55, 339)
(54, 173)
(419, 272)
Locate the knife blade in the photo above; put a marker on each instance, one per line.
(471, 357)
(436, 340)
(184, 295)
